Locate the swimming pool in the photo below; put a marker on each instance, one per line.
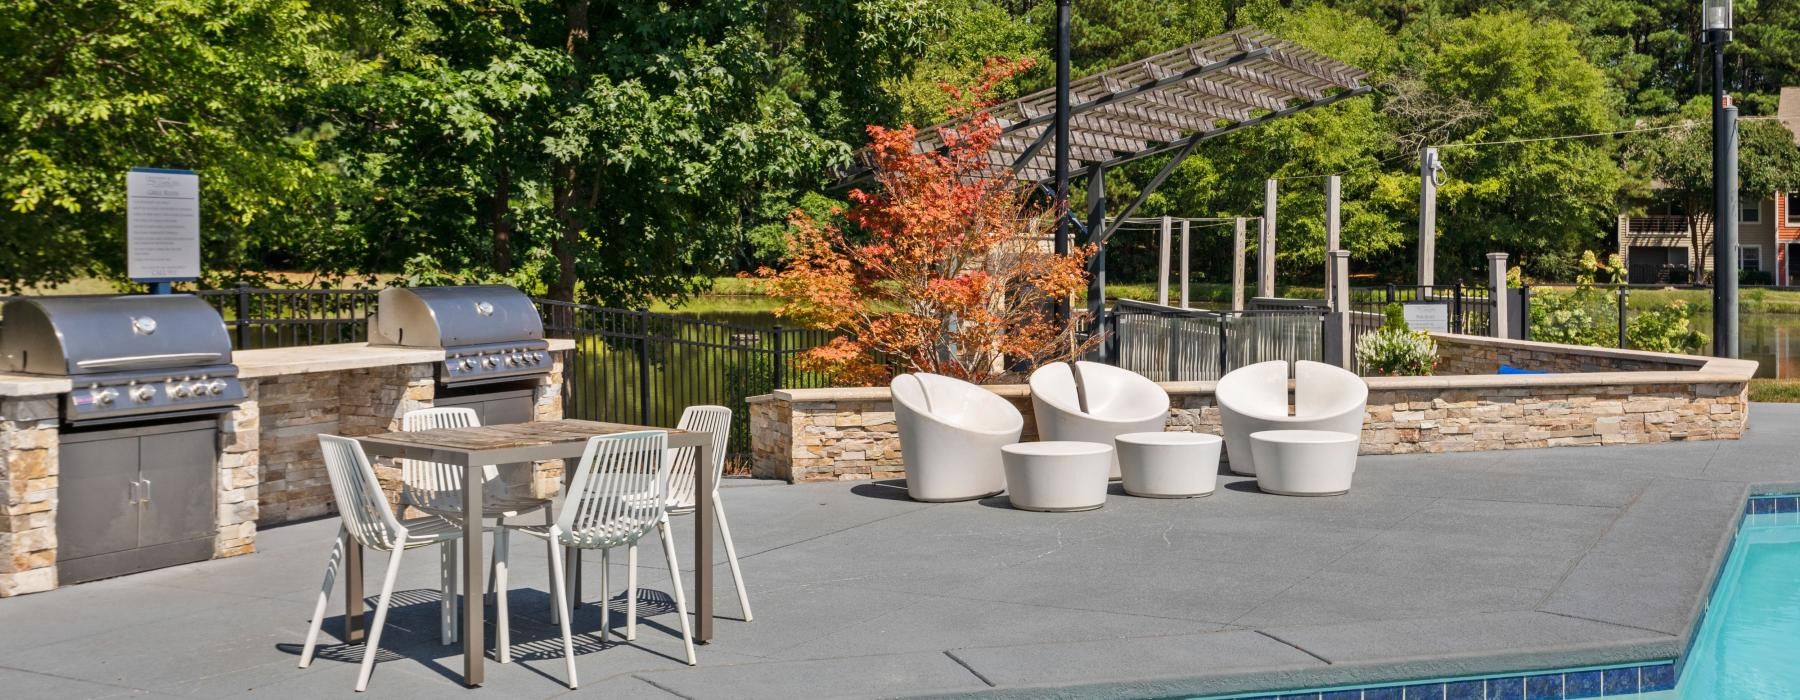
(1748, 646)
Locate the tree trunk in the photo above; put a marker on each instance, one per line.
(563, 193)
(499, 206)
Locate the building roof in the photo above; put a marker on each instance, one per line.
(1161, 103)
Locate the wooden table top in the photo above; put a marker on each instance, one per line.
(511, 436)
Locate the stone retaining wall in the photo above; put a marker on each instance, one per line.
(1461, 354)
(845, 434)
(28, 472)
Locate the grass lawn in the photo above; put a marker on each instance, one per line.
(1775, 390)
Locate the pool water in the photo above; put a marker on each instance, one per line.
(1748, 647)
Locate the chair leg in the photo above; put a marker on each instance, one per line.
(737, 574)
(502, 619)
(668, 543)
(318, 618)
(447, 585)
(560, 606)
(499, 527)
(605, 596)
(631, 593)
(381, 611)
(550, 548)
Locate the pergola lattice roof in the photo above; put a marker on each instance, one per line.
(1169, 101)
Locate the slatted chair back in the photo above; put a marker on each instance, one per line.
(619, 492)
(360, 500)
(713, 420)
(432, 484)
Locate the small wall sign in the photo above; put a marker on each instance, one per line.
(1427, 316)
(162, 225)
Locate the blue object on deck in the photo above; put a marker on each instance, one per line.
(1509, 369)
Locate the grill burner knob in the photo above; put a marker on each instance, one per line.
(105, 396)
(179, 391)
(488, 362)
(215, 387)
(142, 393)
(512, 360)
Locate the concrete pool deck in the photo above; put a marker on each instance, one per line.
(1432, 565)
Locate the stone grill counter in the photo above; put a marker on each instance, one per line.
(269, 470)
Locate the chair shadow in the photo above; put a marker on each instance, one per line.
(1244, 484)
(412, 630)
(885, 489)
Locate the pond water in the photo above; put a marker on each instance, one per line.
(1773, 340)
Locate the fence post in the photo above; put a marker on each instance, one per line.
(1624, 301)
(1390, 297)
(1524, 311)
(643, 360)
(1224, 344)
(1497, 313)
(1458, 322)
(780, 359)
(243, 315)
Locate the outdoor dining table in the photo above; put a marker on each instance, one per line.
(471, 448)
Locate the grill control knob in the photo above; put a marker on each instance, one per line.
(142, 393)
(105, 396)
(512, 360)
(179, 391)
(215, 387)
(488, 362)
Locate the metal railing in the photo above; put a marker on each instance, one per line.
(1173, 344)
(276, 318)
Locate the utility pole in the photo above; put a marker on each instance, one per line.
(1717, 20)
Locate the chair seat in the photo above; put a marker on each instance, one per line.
(430, 530)
(495, 506)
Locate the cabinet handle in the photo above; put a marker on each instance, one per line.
(146, 484)
(131, 493)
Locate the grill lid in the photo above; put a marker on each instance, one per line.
(453, 317)
(96, 335)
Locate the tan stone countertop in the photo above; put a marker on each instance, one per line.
(271, 362)
(32, 385)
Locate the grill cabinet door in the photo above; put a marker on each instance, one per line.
(94, 512)
(178, 470)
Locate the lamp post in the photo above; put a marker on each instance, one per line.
(1061, 205)
(1716, 18)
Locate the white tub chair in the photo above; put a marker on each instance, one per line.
(1255, 398)
(1117, 401)
(951, 433)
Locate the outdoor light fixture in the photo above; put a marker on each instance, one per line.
(1717, 16)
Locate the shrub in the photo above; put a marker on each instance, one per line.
(1396, 352)
(1665, 329)
(1585, 316)
(1756, 277)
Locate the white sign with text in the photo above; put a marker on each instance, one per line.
(162, 225)
(1427, 316)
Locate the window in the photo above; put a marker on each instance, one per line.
(1751, 211)
(1750, 257)
(1793, 199)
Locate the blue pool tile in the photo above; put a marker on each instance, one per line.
(1463, 690)
(1620, 681)
(1506, 688)
(1658, 677)
(1581, 684)
(1787, 504)
(1301, 696)
(1428, 691)
(1382, 694)
(1545, 687)
(1342, 695)
(1761, 506)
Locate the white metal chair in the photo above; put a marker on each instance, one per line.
(606, 507)
(714, 420)
(951, 433)
(1092, 402)
(1254, 398)
(367, 520)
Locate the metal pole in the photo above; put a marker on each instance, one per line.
(1184, 263)
(1096, 200)
(780, 360)
(1265, 244)
(1060, 200)
(643, 363)
(1340, 316)
(243, 315)
(1333, 195)
(1726, 232)
(1237, 265)
(1624, 302)
(1162, 263)
(1524, 311)
(1428, 166)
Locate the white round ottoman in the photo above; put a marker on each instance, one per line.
(1304, 462)
(1168, 465)
(1057, 475)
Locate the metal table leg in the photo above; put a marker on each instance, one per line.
(704, 522)
(474, 647)
(354, 629)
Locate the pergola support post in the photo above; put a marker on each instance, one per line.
(1497, 294)
(1096, 201)
(1237, 265)
(1265, 244)
(1333, 195)
(1162, 262)
(1184, 263)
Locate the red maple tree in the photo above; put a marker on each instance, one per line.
(945, 265)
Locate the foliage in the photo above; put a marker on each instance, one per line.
(943, 273)
(1665, 329)
(1393, 316)
(1583, 316)
(1396, 352)
(1756, 277)
(1775, 390)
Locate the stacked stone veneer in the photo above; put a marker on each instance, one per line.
(844, 434)
(28, 478)
(1462, 354)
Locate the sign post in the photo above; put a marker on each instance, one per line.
(162, 227)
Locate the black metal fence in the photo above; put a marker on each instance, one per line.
(274, 318)
(1467, 309)
(1171, 344)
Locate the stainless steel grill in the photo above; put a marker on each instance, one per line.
(489, 333)
(129, 357)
